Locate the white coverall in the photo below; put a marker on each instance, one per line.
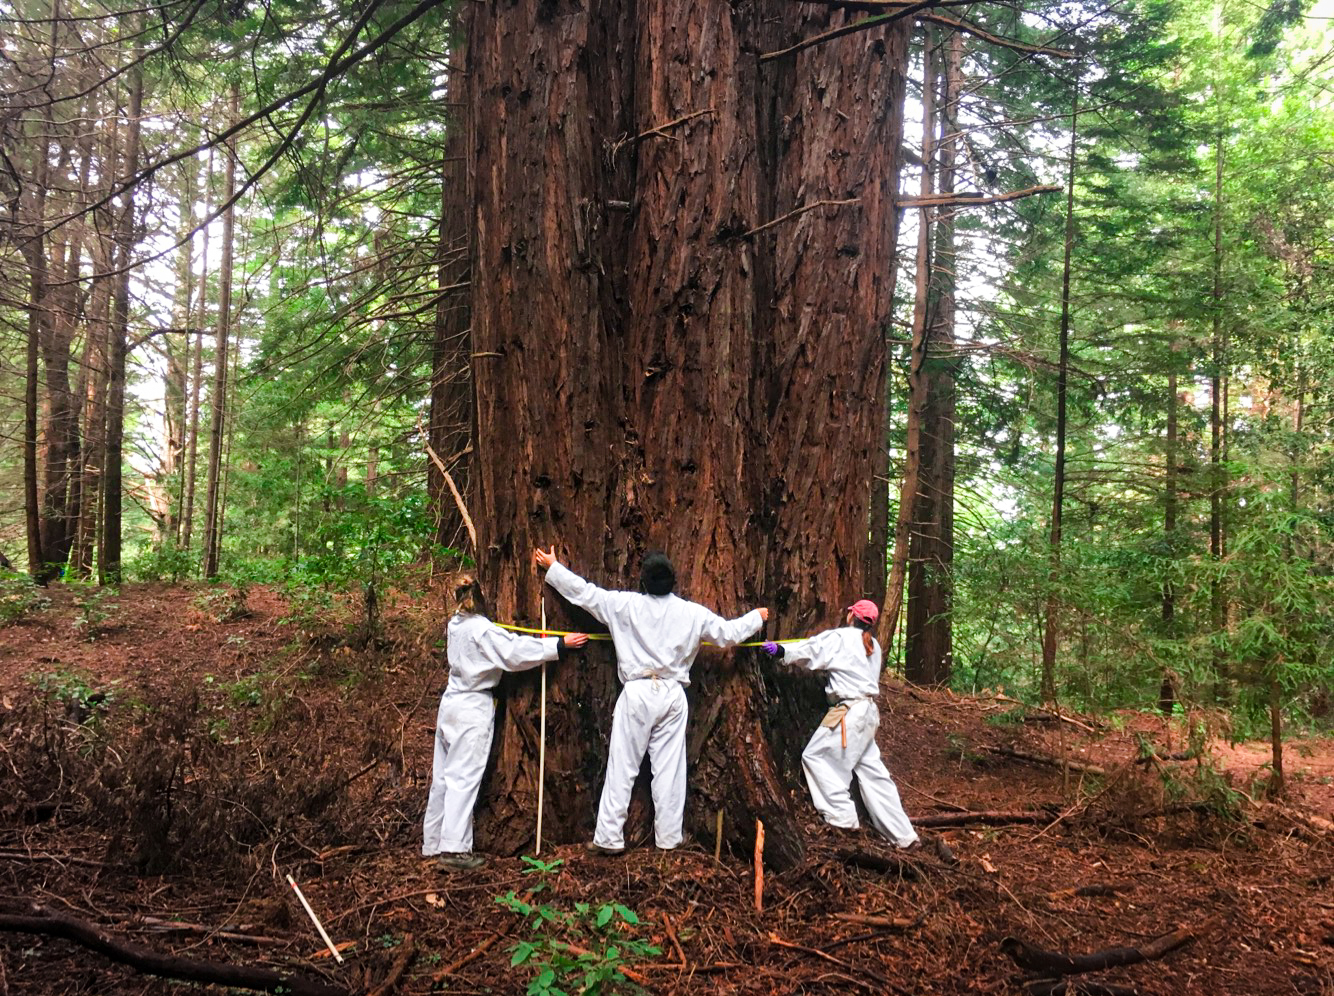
(479, 651)
(854, 681)
(656, 639)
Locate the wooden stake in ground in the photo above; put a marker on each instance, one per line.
(759, 866)
(542, 742)
(333, 948)
(718, 837)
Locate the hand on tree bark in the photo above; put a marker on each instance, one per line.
(764, 614)
(544, 558)
(574, 640)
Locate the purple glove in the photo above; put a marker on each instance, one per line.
(771, 648)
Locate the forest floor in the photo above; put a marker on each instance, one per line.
(163, 776)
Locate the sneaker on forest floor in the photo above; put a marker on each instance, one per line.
(463, 861)
(606, 852)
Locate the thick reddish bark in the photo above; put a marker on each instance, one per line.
(650, 374)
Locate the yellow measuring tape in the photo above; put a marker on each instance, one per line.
(607, 636)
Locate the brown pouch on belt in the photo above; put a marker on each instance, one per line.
(834, 716)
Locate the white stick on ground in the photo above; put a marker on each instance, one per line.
(314, 919)
(542, 742)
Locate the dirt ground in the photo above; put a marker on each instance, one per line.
(161, 778)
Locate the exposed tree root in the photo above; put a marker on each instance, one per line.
(1036, 959)
(39, 920)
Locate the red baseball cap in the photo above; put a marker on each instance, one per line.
(865, 610)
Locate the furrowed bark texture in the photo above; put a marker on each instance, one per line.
(660, 377)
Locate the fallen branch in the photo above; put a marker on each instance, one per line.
(1181, 755)
(406, 952)
(989, 817)
(1036, 959)
(1077, 987)
(865, 920)
(41, 921)
(60, 859)
(717, 966)
(1089, 890)
(471, 956)
(160, 926)
(816, 952)
(887, 863)
(577, 951)
(1052, 762)
(671, 936)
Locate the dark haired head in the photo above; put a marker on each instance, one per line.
(468, 597)
(656, 575)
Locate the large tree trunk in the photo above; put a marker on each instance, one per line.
(212, 509)
(634, 336)
(928, 653)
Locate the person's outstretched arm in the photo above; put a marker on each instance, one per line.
(813, 653)
(513, 652)
(729, 632)
(598, 602)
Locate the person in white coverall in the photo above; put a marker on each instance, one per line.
(479, 653)
(656, 635)
(850, 657)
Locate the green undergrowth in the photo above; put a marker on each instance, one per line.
(581, 948)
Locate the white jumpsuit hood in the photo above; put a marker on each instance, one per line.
(852, 679)
(656, 639)
(479, 653)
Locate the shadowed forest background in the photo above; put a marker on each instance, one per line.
(1015, 318)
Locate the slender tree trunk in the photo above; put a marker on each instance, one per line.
(212, 510)
(74, 309)
(197, 374)
(1051, 627)
(62, 459)
(1217, 474)
(109, 566)
(450, 429)
(929, 656)
(1167, 690)
(876, 566)
(96, 365)
(177, 348)
(32, 247)
(921, 330)
(32, 514)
